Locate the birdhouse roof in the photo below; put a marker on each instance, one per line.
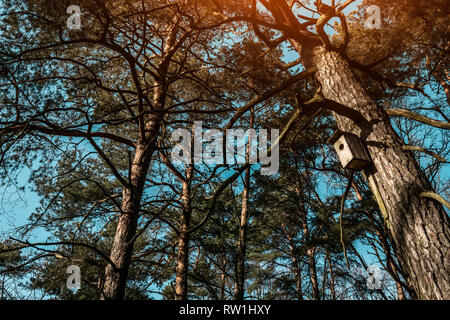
(337, 134)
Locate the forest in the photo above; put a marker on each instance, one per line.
(224, 150)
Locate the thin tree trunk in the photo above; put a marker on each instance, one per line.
(182, 265)
(324, 276)
(400, 293)
(243, 224)
(295, 263)
(310, 252)
(420, 228)
(242, 245)
(122, 246)
(223, 278)
(298, 275)
(181, 280)
(3, 287)
(313, 273)
(298, 282)
(332, 288)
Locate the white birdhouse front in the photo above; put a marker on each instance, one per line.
(351, 150)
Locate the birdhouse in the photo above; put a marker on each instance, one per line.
(351, 150)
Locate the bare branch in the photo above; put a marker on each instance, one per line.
(416, 148)
(417, 117)
(435, 196)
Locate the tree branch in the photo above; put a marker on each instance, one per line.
(420, 149)
(435, 196)
(417, 117)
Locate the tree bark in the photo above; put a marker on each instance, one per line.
(419, 227)
(181, 285)
(243, 224)
(313, 273)
(122, 247)
(223, 278)
(398, 285)
(181, 272)
(332, 289)
(311, 252)
(294, 262)
(297, 268)
(325, 273)
(242, 244)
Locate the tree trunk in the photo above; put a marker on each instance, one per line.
(242, 245)
(325, 273)
(122, 247)
(181, 280)
(419, 227)
(298, 283)
(298, 273)
(311, 252)
(313, 273)
(332, 289)
(398, 285)
(295, 263)
(181, 286)
(223, 278)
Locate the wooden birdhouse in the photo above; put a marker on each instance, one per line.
(351, 150)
